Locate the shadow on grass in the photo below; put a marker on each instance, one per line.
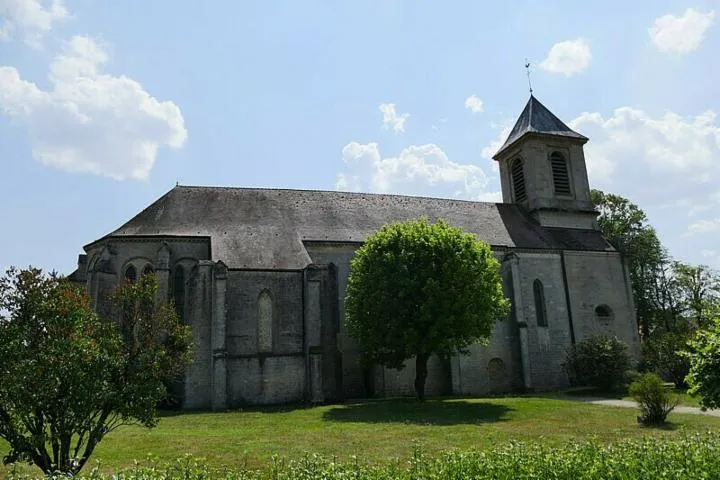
(667, 426)
(618, 393)
(429, 412)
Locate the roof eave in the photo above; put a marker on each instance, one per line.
(507, 146)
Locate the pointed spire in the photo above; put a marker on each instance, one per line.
(536, 118)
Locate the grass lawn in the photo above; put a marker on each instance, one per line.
(376, 430)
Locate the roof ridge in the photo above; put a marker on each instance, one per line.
(338, 192)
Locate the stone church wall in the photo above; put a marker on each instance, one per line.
(198, 314)
(265, 355)
(353, 377)
(546, 346)
(596, 279)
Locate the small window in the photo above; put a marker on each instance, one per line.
(148, 270)
(518, 180)
(540, 312)
(131, 274)
(603, 312)
(265, 322)
(561, 178)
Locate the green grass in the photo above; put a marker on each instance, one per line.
(378, 431)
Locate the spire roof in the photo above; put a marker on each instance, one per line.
(536, 118)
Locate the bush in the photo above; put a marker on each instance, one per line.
(663, 354)
(690, 457)
(655, 401)
(600, 361)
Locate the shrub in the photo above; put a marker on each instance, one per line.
(655, 401)
(663, 354)
(599, 361)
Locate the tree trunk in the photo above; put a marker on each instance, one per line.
(421, 374)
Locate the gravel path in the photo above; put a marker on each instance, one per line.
(612, 402)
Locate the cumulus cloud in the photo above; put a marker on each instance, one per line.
(474, 104)
(417, 170)
(704, 226)
(683, 34)
(668, 143)
(90, 121)
(391, 119)
(568, 58)
(29, 19)
(493, 147)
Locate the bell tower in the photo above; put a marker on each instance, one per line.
(542, 168)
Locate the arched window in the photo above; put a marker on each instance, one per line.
(561, 178)
(518, 180)
(265, 322)
(148, 270)
(131, 274)
(179, 291)
(603, 312)
(540, 312)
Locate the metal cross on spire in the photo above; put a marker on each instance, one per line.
(527, 68)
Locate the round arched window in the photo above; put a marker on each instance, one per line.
(603, 311)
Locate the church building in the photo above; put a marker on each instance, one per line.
(260, 277)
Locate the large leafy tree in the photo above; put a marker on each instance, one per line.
(68, 378)
(417, 289)
(704, 376)
(699, 292)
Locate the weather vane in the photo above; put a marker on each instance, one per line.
(527, 68)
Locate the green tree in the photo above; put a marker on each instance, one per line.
(69, 378)
(699, 291)
(417, 289)
(663, 353)
(704, 376)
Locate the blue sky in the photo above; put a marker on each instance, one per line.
(104, 105)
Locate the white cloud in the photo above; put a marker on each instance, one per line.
(684, 34)
(704, 226)
(474, 104)
(89, 121)
(569, 57)
(418, 170)
(391, 119)
(492, 148)
(29, 18)
(670, 142)
(711, 202)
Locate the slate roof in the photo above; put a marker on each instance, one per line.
(536, 118)
(266, 228)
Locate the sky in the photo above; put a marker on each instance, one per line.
(106, 105)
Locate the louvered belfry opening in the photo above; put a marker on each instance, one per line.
(518, 180)
(561, 178)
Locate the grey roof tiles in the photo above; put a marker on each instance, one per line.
(536, 118)
(266, 228)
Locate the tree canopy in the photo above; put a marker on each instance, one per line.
(68, 378)
(417, 289)
(704, 355)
